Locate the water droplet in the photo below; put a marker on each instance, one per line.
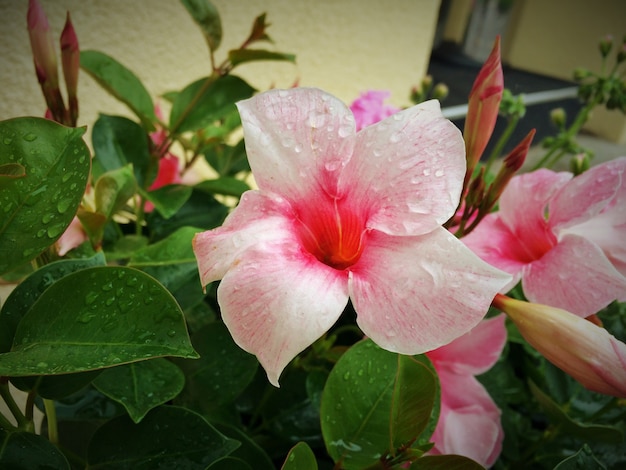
(109, 301)
(346, 376)
(171, 333)
(148, 300)
(30, 137)
(426, 172)
(91, 297)
(110, 325)
(395, 137)
(41, 232)
(132, 281)
(42, 365)
(107, 286)
(81, 159)
(55, 230)
(439, 173)
(7, 141)
(46, 218)
(86, 317)
(66, 177)
(64, 205)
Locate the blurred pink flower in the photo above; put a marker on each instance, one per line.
(587, 352)
(369, 108)
(343, 215)
(73, 236)
(469, 421)
(168, 174)
(559, 236)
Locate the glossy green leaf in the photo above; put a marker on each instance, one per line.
(94, 318)
(168, 437)
(223, 371)
(207, 100)
(241, 56)
(28, 291)
(141, 386)
(300, 457)
(55, 387)
(230, 463)
(374, 403)
(581, 460)
(35, 210)
(121, 83)
(126, 246)
(225, 185)
(170, 260)
(227, 160)
(445, 462)
(592, 432)
(249, 451)
(28, 451)
(117, 142)
(168, 199)
(201, 210)
(207, 17)
(113, 190)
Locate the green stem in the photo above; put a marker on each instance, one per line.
(502, 141)
(5, 393)
(51, 419)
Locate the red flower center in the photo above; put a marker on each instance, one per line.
(333, 234)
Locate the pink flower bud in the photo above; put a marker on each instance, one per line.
(587, 352)
(483, 107)
(41, 44)
(70, 58)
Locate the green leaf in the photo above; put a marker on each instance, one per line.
(94, 318)
(229, 463)
(207, 17)
(207, 100)
(28, 291)
(300, 457)
(9, 171)
(201, 210)
(141, 386)
(225, 185)
(168, 199)
(445, 462)
(249, 451)
(55, 387)
(591, 432)
(223, 371)
(374, 403)
(227, 160)
(121, 83)
(28, 451)
(126, 246)
(168, 437)
(118, 141)
(170, 260)
(36, 209)
(240, 56)
(581, 460)
(113, 190)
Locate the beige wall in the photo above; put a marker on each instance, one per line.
(554, 37)
(343, 46)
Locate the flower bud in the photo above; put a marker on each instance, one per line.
(605, 45)
(70, 59)
(558, 117)
(587, 352)
(579, 163)
(581, 73)
(440, 91)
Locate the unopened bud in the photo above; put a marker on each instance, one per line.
(581, 73)
(427, 82)
(579, 163)
(605, 45)
(440, 91)
(558, 117)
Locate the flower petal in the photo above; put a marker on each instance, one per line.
(575, 276)
(258, 218)
(415, 294)
(589, 193)
(476, 351)
(278, 300)
(408, 169)
(524, 202)
(297, 140)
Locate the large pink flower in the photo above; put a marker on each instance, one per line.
(339, 216)
(469, 421)
(558, 235)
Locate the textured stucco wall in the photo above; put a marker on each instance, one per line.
(343, 46)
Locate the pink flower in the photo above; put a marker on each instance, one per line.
(580, 348)
(340, 215)
(369, 108)
(559, 235)
(469, 421)
(73, 236)
(168, 174)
